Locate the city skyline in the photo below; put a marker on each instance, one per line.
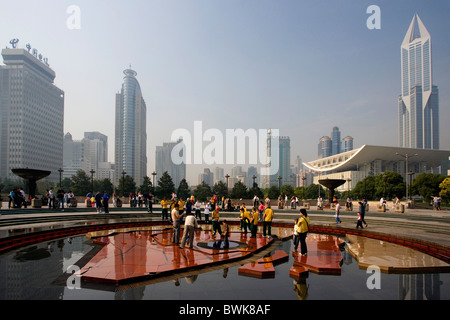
(302, 67)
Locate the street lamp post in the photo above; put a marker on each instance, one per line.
(92, 179)
(279, 183)
(254, 178)
(406, 156)
(227, 177)
(410, 174)
(123, 184)
(154, 187)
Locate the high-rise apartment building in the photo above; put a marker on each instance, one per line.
(131, 130)
(163, 163)
(419, 100)
(31, 114)
(331, 146)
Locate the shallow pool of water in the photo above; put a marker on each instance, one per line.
(40, 272)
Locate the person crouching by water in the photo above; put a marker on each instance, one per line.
(302, 229)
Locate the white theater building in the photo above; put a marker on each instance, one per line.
(353, 166)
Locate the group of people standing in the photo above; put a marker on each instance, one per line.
(101, 201)
(249, 220)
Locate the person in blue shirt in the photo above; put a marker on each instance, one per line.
(105, 201)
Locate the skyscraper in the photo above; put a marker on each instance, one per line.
(31, 114)
(163, 163)
(131, 130)
(419, 100)
(336, 141)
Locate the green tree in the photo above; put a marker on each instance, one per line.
(239, 191)
(80, 183)
(273, 192)
(287, 190)
(165, 186)
(203, 191)
(128, 184)
(390, 185)
(445, 190)
(220, 189)
(255, 190)
(103, 185)
(312, 191)
(427, 185)
(146, 186)
(183, 190)
(365, 187)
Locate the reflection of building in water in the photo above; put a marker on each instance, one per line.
(22, 273)
(419, 287)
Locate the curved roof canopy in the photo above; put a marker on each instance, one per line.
(349, 160)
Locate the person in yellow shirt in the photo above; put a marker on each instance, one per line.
(267, 221)
(302, 229)
(181, 203)
(164, 205)
(254, 222)
(215, 221)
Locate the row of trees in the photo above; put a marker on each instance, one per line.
(388, 184)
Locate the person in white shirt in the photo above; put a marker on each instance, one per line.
(190, 224)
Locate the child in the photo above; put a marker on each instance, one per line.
(295, 236)
(225, 234)
(206, 212)
(359, 221)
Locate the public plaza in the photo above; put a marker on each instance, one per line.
(128, 254)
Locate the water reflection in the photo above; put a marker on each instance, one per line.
(32, 273)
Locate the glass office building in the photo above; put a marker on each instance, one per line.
(31, 114)
(131, 130)
(419, 100)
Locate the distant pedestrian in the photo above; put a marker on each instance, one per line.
(206, 212)
(337, 212)
(60, 196)
(176, 218)
(164, 205)
(225, 234)
(362, 211)
(215, 221)
(105, 201)
(295, 236)
(254, 222)
(198, 212)
(267, 221)
(303, 228)
(98, 202)
(359, 221)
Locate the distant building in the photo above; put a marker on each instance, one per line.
(330, 146)
(353, 166)
(419, 101)
(87, 154)
(31, 114)
(207, 177)
(131, 130)
(163, 161)
(219, 175)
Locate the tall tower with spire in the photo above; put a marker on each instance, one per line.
(419, 99)
(131, 130)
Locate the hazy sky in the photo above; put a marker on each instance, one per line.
(299, 66)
